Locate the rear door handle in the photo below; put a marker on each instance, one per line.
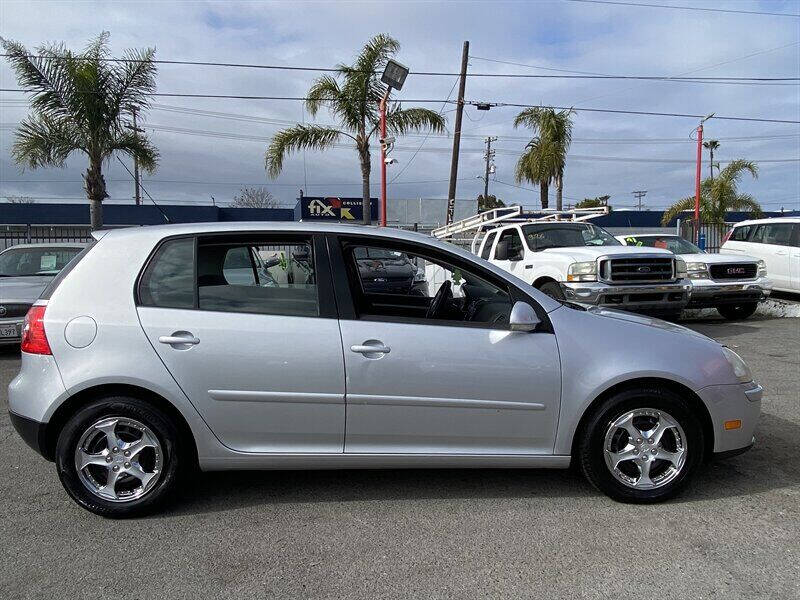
(179, 339)
(371, 347)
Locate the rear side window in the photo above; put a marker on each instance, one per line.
(776, 234)
(168, 281)
(487, 245)
(740, 234)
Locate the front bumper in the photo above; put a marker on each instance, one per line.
(16, 322)
(707, 293)
(664, 298)
(733, 402)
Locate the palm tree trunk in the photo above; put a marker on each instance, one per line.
(559, 191)
(366, 203)
(544, 188)
(95, 186)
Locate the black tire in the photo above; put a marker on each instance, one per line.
(552, 289)
(737, 312)
(172, 461)
(590, 447)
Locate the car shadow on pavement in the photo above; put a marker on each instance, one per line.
(768, 466)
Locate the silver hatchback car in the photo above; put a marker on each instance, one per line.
(270, 346)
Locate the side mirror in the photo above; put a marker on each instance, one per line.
(501, 250)
(523, 317)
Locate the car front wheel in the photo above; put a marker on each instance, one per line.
(736, 312)
(642, 445)
(118, 457)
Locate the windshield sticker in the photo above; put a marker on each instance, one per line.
(48, 262)
(632, 241)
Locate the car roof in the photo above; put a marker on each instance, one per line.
(768, 220)
(79, 245)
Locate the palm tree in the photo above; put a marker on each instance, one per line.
(545, 157)
(354, 102)
(711, 145)
(720, 195)
(79, 104)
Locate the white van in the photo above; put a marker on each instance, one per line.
(776, 241)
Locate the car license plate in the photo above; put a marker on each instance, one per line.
(8, 331)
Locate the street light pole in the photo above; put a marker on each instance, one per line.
(697, 178)
(383, 156)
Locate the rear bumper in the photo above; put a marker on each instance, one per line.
(667, 298)
(734, 402)
(32, 433)
(709, 293)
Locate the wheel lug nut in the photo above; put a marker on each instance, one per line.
(127, 453)
(109, 459)
(115, 468)
(127, 465)
(654, 451)
(638, 441)
(650, 441)
(115, 449)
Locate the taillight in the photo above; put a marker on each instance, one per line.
(34, 339)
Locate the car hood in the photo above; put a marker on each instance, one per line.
(719, 259)
(23, 289)
(644, 320)
(588, 253)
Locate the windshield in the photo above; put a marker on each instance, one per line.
(673, 243)
(20, 262)
(567, 235)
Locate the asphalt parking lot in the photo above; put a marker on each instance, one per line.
(429, 534)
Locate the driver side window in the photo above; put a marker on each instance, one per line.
(393, 284)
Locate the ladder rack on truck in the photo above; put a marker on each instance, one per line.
(513, 214)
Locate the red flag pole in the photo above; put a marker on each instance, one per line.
(697, 184)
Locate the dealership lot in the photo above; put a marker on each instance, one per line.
(502, 533)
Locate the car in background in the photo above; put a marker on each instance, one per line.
(734, 285)
(25, 270)
(776, 241)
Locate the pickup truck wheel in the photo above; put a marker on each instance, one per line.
(119, 457)
(642, 446)
(552, 289)
(736, 312)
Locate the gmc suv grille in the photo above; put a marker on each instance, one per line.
(9, 311)
(637, 270)
(733, 271)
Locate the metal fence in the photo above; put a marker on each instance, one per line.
(11, 235)
(711, 234)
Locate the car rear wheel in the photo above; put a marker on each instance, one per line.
(552, 289)
(736, 312)
(118, 457)
(642, 446)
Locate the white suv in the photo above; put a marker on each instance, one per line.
(776, 241)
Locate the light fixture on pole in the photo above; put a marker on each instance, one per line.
(697, 178)
(394, 75)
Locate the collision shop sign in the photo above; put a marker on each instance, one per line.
(334, 208)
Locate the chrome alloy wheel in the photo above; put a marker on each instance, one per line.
(645, 448)
(118, 459)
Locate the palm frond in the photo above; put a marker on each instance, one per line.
(134, 80)
(136, 146)
(676, 209)
(324, 91)
(746, 203)
(401, 121)
(733, 170)
(299, 137)
(375, 53)
(42, 140)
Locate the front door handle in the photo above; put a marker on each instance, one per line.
(371, 349)
(179, 340)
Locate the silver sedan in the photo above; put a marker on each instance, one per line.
(162, 350)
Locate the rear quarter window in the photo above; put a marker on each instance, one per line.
(740, 234)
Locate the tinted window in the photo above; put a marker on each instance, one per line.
(514, 243)
(778, 234)
(740, 234)
(168, 281)
(274, 279)
(22, 261)
(404, 284)
(487, 245)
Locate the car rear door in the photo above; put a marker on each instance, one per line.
(259, 354)
(773, 242)
(431, 385)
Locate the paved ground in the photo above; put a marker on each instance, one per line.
(429, 534)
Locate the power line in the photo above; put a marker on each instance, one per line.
(697, 8)
(469, 102)
(163, 214)
(433, 73)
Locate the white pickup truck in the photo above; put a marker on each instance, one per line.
(581, 262)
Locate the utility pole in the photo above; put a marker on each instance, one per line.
(488, 156)
(639, 195)
(136, 130)
(451, 194)
(697, 179)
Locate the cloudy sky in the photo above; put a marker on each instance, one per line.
(205, 155)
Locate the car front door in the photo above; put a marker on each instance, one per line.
(257, 351)
(510, 244)
(455, 380)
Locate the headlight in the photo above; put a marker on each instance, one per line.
(762, 268)
(740, 368)
(582, 271)
(680, 268)
(697, 270)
